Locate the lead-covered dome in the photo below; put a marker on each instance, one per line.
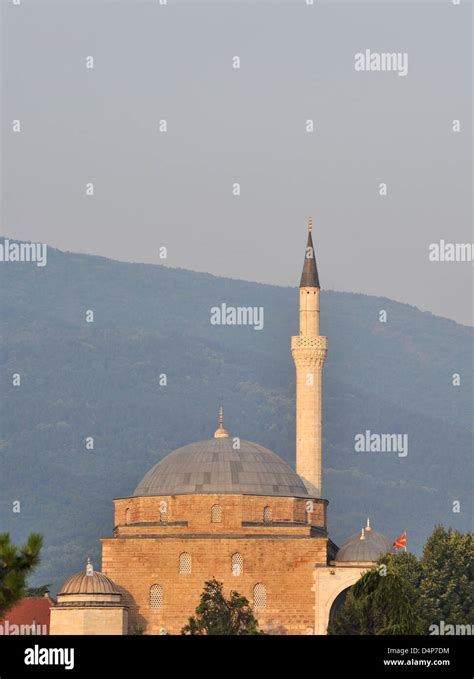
(368, 545)
(214, 466)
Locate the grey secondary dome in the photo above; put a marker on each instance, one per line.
(368, 545)
(214, 466)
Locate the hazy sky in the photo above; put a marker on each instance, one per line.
(245, 125)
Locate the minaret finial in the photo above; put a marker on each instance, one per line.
(368, 524)
(310, 223)
(221, 432)
(89, 567)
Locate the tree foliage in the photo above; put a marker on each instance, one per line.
(405, 595)
(38, 591)
(383, 600)
(447, 583)
(16, 564)
(217, 615)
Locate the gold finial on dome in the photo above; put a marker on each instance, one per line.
(362, 534)
(89, 567)
(221, 432)
(368, 524)
(310, 224)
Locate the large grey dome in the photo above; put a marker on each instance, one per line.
(368, 545)
(214, 466)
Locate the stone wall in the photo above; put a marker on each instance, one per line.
(281, 557)
(195, 511)
(91, 620)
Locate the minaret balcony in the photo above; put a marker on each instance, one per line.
(309, 342)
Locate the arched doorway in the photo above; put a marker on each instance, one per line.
(337, 603)
(330, 582)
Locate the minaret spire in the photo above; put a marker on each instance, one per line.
(309, 352)
(309, 277)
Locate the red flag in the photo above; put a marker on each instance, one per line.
(401, 541)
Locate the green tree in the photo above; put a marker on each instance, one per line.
(218, 615)
(447, 584)
(384, 600)
(16, 564)
(413, 594)
(353, 617)
(38, 591)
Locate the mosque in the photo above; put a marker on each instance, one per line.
(234, 510)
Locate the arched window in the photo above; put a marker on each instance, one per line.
(185, 563)
(267, 514)
(156, 596)
(237, 564)
(216, 514)
(127, 516)
(163, 511)
(259, 596)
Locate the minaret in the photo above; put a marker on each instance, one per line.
(309, 352)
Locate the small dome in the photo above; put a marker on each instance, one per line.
(215, 466)
(368, 545)
(89, 582)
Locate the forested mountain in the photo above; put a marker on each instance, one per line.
(102, 380)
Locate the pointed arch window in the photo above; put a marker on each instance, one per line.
(185, 562)
(237, 564)
(156, 596)
(267, 514)
(163, 511)
(216, 514)
(259, 596)
(127, 516)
